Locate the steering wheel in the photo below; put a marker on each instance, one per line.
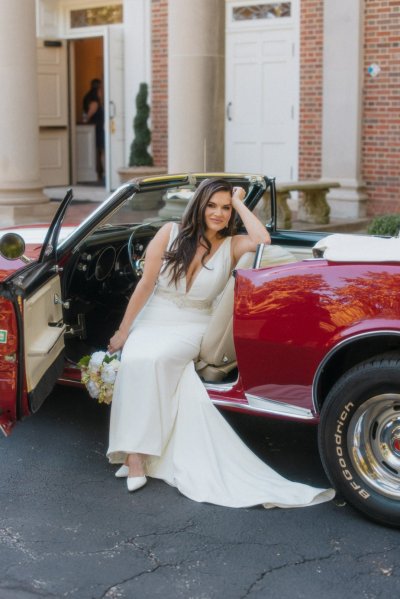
(137, 249)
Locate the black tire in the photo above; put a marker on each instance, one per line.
(359, 438)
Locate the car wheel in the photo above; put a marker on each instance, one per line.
(359, 438)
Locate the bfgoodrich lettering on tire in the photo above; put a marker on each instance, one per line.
(359, 438)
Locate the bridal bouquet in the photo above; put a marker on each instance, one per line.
(98, 373)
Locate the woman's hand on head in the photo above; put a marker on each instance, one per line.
(117, 341)
(238, 195)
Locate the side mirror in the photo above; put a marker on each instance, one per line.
(12, 247)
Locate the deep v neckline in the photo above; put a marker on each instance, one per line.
(194, 278)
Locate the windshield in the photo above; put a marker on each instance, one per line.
(146, 206)
(149, 205)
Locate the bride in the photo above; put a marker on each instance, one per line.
(163, 423)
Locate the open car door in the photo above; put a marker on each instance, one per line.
(36, 319)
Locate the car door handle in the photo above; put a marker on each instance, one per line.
(58, 323)
(58, 300)
(228, 111)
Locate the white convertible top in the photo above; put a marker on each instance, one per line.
(359, 248)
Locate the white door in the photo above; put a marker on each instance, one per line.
(114, 121)
(262, 93)
(53, 112)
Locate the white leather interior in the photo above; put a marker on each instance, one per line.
(43, 343)
(217, 352)
(359, 248)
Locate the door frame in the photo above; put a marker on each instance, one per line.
(53, 22)
(91, 32)
(261, 25)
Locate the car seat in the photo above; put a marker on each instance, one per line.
(217, 356)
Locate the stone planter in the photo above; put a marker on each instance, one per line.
(148, 201)
(175, 203)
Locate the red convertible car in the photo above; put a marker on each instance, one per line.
(307, 329)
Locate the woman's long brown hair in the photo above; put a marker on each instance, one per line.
(193, 228)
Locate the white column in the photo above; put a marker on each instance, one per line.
(342, 106)
(195, 85)
(21, 197)
(137, 59)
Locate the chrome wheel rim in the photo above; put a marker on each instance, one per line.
(374, 443)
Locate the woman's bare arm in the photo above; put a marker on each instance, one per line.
(145, 287)
(92, 109)
(256, 231)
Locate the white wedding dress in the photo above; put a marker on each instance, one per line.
(161, 408)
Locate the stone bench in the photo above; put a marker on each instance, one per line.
(313, 206)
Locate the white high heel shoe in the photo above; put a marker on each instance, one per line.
(122, 472)
(135, 482)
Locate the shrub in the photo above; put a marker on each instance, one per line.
(388, 224)
(139, 155)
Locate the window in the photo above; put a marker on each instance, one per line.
(100, 15)
(272, 10)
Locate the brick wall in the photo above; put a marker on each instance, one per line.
(311, 58)
(381, 99)
(159, 86)
(381, 116)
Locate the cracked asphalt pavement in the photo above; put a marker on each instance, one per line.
(69, 528)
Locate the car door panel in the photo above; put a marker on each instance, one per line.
(8, 365)
(43, 334)
(44, 340)
(35, 317)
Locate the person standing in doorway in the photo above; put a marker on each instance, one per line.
(94, 114)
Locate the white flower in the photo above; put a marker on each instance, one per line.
(96, 360)
(109, 371)
(93, 389)
(99, 376)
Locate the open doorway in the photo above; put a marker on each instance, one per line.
(87, 128)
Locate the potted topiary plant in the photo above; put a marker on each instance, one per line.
(139, 155)
(140, 160)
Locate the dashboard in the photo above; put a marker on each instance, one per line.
(100, 279)
(108, 258)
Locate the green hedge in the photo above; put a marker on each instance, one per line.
(389, 224)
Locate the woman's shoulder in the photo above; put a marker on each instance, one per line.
(166, 229)
(170, 226)
(166, 233)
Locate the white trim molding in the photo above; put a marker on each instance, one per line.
(342, 106)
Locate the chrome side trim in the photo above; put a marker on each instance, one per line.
(223, 387)
(278, 407)
(268, 406)
(259, 404)
(329, 355)
(70, 381)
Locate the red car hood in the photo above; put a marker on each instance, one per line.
(33, 236)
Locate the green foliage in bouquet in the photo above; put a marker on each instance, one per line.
(139, 156)
(388, 224)
(84, 362)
